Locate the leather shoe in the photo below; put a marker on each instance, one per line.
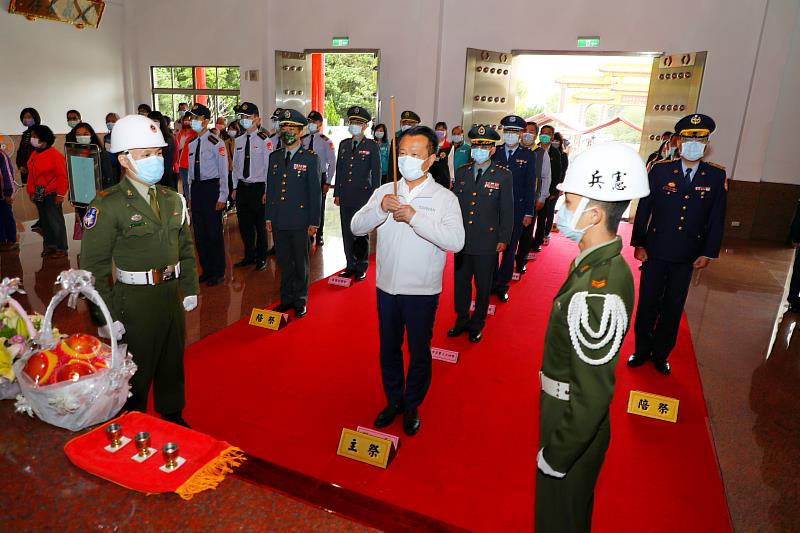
(320, 241)
(636, 360)
(271, 251)
(243, 263)
(215, 280)
(410, 422)
(261, 265)
(386, 416)
(662, 367)
(346, 273)
(175, 418)
(522, 269)
(282, 308)
(300, 311)
(455, 331)
(537, 249)
(361, 276)
(475, 336)
(502, 296)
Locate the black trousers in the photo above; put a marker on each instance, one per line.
(251, 214)
(794, 285)
(399, 315)
(154, 332)
(291, 251)
(525, 245)
(544, 221)
(662, 294)
(54, 228)
(356, 249)
(321, 228)
(503, 273)
(469, 267)
(207, 223)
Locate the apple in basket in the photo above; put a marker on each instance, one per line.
(74, 370)
(40, 366)
(81, 345)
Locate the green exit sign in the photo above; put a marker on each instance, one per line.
(588, 42)
(340, 41)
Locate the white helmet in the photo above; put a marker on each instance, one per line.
(608, 172)
(135, 131)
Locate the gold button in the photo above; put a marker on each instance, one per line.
(469, 222)
(348, 181)
(491, 229)
(680, 228)
(472, 203)
(474, 194)
(283, 190)
(684, 208)
(686, 197)
(301, 206)
(472, 213)
(284, 175)
(283, 198)
(683, 218)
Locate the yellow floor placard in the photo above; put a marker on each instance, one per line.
(267, 319)
(653, 406)
(365, 448)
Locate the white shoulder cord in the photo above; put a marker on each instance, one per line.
(613, 323)
(185, 214)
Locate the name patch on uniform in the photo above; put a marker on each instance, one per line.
(653, 406)
(298, 166)
(90, 218)
(492, 185)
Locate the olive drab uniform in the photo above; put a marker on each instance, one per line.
(577, 385)
(122, 232)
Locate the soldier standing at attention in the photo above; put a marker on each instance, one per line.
(678, 228)
(588, 320)
(318, 143)
(485, 193)
(293, 210)
(140, 231)
(208, 193)
(359, 175)
(250, 164)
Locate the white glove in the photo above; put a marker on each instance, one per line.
(190, 302)
(116, 327)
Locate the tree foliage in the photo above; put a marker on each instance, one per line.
(350, 80)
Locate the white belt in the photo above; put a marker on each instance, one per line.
(556, 389)
(149, 277)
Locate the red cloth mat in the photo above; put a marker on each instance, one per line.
(207, 460)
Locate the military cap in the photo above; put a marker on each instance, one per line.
(314, 116)
(276, 114)
(695, 125)
(199, 110)
(410, 115)
(512, 122)
(246, 108)
(483, 135)
(360, 114)
(292, 117)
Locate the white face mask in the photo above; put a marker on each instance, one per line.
(410, 167)
(404, 127)
(232, 133)
(511, 139)
(528, 138)
(354, 129)
(312, 127)
(457, 139)
(692, 150)
(83, 139)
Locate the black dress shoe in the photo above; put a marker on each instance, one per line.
(346, 273)
(214, 281)
(636, 360)
(300, 311)
(387, 416)
(502, 296)
(203, 278)
(522, 269)
(794, 308)
(261, 265)
(320, 241)
(361, 276)
(282, 308)
(175, 418)
(271, 251)
(475, 336)
(243, 263)
(455, 331)
(410, 422)
(537, 249)
(662, 367)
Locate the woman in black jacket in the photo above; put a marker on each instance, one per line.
(169, 152)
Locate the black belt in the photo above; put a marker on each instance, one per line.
(249, 183)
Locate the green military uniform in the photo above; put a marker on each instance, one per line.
(122, 229)
(574, 429)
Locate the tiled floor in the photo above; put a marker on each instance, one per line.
(746, 350)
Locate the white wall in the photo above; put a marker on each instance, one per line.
(54, 67)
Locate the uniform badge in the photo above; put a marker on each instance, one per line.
(90, 218)
(442, 155)
(300, 167)
(671, 184)
(598, 284)
(491, 185)
(481, 130)
(136, 218)
(287, 114)
(221, 150)
(704, 189)
(695, 120)
(269, 145)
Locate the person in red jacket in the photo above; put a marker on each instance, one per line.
(47, 185)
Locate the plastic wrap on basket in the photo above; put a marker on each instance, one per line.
(9, 386)
(91, 399)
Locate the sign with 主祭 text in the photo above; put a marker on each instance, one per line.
(365, 448)
(448, 356)
(339, 281)
(653, 406)
(267, 319)
(490, 311)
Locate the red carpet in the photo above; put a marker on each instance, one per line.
(285, 396)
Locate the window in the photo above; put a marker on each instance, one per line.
(215, 87)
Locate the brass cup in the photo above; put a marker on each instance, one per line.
(142, 441)
(170, 453)
(114, 434)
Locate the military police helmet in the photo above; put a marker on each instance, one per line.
(607, 172)
(410, 116)
(199, 110)
(135, 131)
(513, 122)
(481, 135)
(292, 117)
(359, 114)
(695, 125)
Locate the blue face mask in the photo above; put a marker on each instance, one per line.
(110, 126)
(480, 155)
(246, 123)
(197, 125)
(149, 170)
(565, 222)
(354, 129)
(544, 138)
(692, 150)
(379, 135)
